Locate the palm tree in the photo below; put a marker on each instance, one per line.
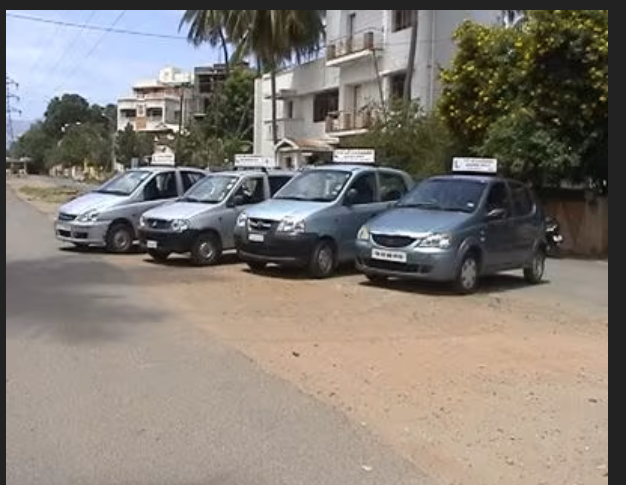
(272, 37)
(206, 26)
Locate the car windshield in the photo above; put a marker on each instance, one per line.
(124, 183)
(315, 186)
(445, 194)
(211, 189)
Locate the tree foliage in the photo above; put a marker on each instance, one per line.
(131, 144)
(35, 144)
(409, 139)
(555, 65)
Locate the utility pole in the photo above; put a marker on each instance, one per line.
(12, 99)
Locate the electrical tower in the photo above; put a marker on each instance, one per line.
(12, 100)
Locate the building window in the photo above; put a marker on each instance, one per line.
(401, 19)
(289, 110)
(396, 85)
(324, 104)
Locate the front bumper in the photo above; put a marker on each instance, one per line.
(90, 233)
(430, 264)
(172, 242)
(281, 249)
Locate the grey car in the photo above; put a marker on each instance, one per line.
(201, 222)
(109, 215)
(313, 220)
(456, 228)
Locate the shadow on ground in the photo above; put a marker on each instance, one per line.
(74, 301)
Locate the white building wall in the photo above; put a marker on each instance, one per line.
(435, 48)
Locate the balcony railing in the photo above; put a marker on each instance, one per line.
(350, 120)
(357, 43)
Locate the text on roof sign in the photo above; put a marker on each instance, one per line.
(478, 165)
(245, 160)
(355, 155)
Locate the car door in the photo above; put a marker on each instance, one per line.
(251, 190)
(523, 223)
(158, 189)
(355, 212)
(496, 233)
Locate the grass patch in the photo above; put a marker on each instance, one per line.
(55, 195)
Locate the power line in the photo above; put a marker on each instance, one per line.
(94, 27)
(11, 97)
(92, 50)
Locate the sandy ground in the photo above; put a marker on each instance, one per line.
(496, 388)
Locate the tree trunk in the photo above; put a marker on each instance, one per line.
(410, 65)
(274, 106)
(225, 52)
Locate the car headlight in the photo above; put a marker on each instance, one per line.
(180, 225)
(363, 234)
(441, 241)
(242, 219)
(89, 216)
(292, 226)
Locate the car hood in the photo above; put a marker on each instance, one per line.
(278, 209)
(177, 210)
(91, 201)
(412, 221)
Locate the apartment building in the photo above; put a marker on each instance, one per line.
(156, 105)
(364, 67)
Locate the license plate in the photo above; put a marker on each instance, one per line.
(152, 244)
(396, 256)
(256, 237)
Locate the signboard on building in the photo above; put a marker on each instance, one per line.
(478, 165)
(358, 155)
(246, 160)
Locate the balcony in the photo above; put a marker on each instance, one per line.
(343, 123)
(352, 48)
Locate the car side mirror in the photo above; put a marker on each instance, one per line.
(236, 200)
(350, 197)
(495, 214)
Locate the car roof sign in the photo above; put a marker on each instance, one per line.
(248, 161)
(475, 165)
(354, 156)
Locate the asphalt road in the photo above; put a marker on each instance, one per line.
(105, 387)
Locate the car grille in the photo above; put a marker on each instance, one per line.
(393, 241)
(66, 217)
(261, 225)
(158, 224)
(399, 267)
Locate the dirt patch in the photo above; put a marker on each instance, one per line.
(53, 195)
(481, 389)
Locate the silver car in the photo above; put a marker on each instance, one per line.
(201, 222)
(109, 215)
(312, 221)
(456, 228)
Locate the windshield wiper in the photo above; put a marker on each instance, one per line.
(291, 197)
(112, 192)
(422, 205)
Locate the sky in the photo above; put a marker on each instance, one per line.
(47, 59)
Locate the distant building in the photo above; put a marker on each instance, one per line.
(158, 105)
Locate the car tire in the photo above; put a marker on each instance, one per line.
(120, 238)
(323, 260)
(256, 266)
(467, 275)
(159, 255)
(533, 274)
(206, 250)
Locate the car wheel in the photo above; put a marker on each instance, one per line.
(467, 275)
(206, 250)
(323, 260)
(158, 255)
(120, 238)
(534, 273)
(256, 266)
